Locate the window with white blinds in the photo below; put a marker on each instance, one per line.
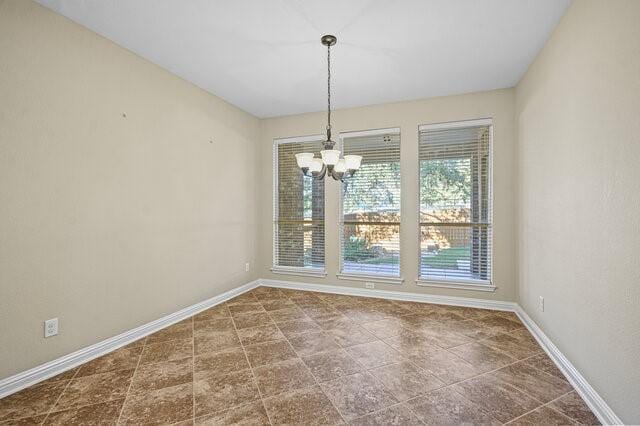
(298, 219)
(370, 205)
(455, 202)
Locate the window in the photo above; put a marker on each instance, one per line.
(370, 206)
(298, 210)
(455, 202)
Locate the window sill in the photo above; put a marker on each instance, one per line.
(373, 278)
(303, 272)
(457, 284)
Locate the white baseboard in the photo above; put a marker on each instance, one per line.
(394, 295)
(595, 402)
(42, 372)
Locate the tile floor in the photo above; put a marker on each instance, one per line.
(274, 356)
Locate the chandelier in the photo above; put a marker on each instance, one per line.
(331, 162)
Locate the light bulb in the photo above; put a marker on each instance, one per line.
(330, 156)
(304, 159)
(341, 166)
(316, 165)
(353, 161)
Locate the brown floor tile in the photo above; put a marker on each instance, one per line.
(544, 363)
(252, 320)
(265, 333)
(327, 366)
(162, 375)
(445, 407)
(34, 400)
(248, 297)
(274, 305)
(120, 359)
(374, 354)
(470, 313)
(396, 415)
(362, 315)
(160, 406)
(215, 392)
(268, 353)
(214, 341)
(319, 311)
(252, 414)
(536, 383)
(227, 361)
(245, 308)
(405, 381)
(282, 377)
(571, 405)
(25, 421)
(291, 328)
(309, 406)
(311, 343)
(443, 335)
(173, 332)
(500, 323)
(95, 388)
(334, 321)
(542, 416)
(357, 395)
(446, 366)
(412, 343)
(289, 314)
(482, 357)
(384, 328)
(167, 351)
(105, 413)
(217, 312)
(272, 295)
(473, 329)
(220, 324)
(498, 398)
(350, 336)
(518, 344)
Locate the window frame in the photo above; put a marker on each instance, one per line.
(292, 270)
(354, 276)
(458, 283)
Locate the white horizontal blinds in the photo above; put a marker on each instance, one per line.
(370, 221)
(299, 210)
(455, 202)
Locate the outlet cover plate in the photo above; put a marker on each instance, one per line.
(51, 327)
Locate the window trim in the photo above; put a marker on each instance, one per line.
(354, 276)
(458, 283)
(291, 270)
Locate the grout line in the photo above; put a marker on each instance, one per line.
(126, 395)
(255, 381)
(546, 405)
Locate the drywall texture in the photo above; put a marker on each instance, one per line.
(498, 104)
(578, 125)
(106, 221)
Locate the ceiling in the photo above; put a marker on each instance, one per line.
(265, 56)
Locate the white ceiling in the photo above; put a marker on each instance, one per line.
(265, 56)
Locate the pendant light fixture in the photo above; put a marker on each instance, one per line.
(330, 162)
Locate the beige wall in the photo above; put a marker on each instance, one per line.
(109, 222)
(579, 200)
(498, 104)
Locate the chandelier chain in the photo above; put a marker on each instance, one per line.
(329, 87)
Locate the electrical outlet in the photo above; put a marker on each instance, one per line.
(370, 285)
(247, 267)
(51, 327)
(541, 303)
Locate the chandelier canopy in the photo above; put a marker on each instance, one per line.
(331, 162)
